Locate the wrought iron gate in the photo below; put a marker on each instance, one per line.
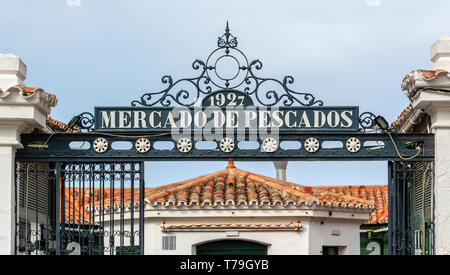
(89, 199)
(410, 195)
(76, 208)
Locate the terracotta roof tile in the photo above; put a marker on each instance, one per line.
(377, 194)
(430, 74)
(59, 126)
(403, 116)
(28, 92)
(235, 187)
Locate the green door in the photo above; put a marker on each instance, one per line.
(231, 247)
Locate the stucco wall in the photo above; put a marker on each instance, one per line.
(278, 242)
(321, 234)
(341, 230)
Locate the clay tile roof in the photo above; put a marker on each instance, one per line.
(77, 201)
(28, 92)
(377, 194)
(430, 74)
(58, 126)
(32, 90)
(403, 116)
(234, 187)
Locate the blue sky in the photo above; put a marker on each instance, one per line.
(347, 52)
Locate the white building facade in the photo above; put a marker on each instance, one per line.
(236, 205)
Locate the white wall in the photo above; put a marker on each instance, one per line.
(308, 241)
(279, 242)
(321, 235)
(7, 224)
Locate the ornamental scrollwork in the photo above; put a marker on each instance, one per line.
(367, 121)
(227, 68)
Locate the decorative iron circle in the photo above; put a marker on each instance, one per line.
(221, 59)
(312, 145)
(353, 145)
(269, 145)
(100, 145)
(143, 145)
(219, 79)
(184, 145)
(227, 145)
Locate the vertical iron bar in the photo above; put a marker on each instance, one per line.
(73, 206)
(58, 208)
(16, 201)
(403, 207)
(111, 212)
(122, 202)
(133, 171)
(47, 208)
(394, 209)
(141, 207)
(433, 244)
(36, 209)
(90, 224)
(400, 209)
(80, 207)
(102, 213)
(390, 207)
(83, 195)
(412, 212)
(70, 184)
(63, 210)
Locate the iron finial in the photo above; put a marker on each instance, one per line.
(227, 40)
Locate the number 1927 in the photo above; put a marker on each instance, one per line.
(226, 99)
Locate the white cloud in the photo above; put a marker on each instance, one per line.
(373, 3)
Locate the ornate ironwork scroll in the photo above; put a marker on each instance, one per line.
(227, 67)
(86, 121)
(367, 121)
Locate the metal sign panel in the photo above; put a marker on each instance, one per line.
(236, 119)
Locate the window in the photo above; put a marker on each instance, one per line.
(169, 243)
(330, 250)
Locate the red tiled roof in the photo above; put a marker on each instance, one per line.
(59, 126)
(430, 74)
(403, 116)
(235, 187)
(78, 198)
(426, 74)
(238, 187)
(377, 194)
(29, 92)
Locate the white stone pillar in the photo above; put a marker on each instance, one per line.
(21, 110)
(430, 91)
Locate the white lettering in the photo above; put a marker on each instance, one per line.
(108, 121)
(124, 119)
